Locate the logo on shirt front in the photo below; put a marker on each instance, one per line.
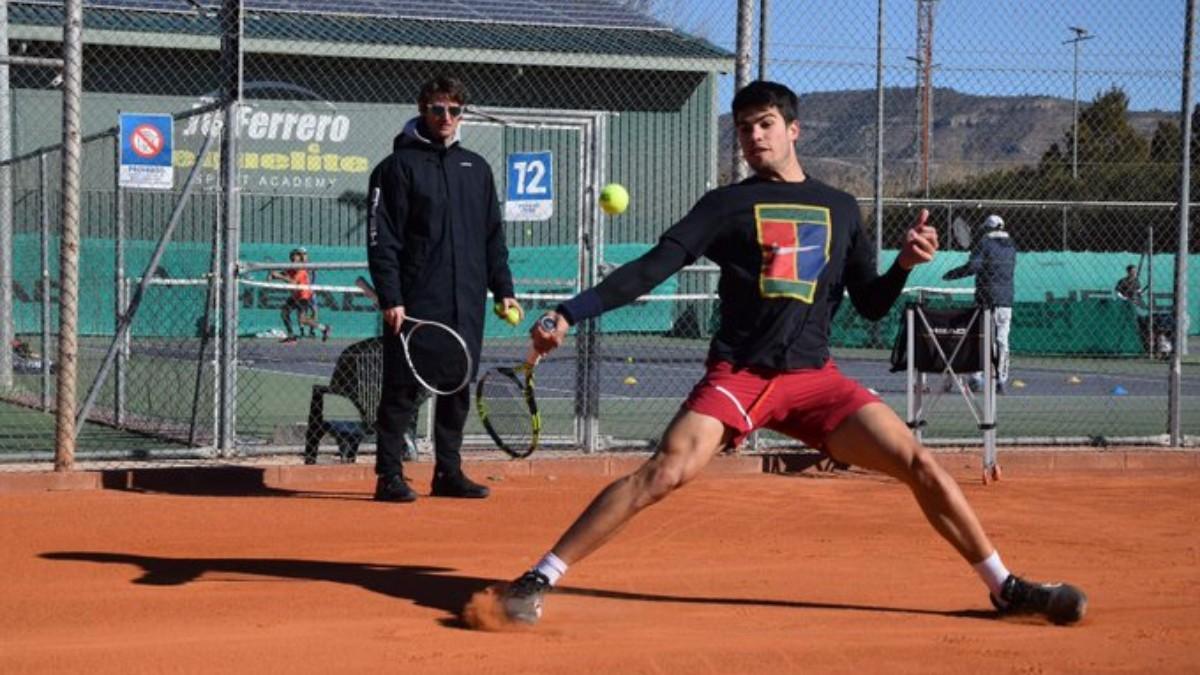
(794, 239)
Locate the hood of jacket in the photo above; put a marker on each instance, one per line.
(411, 136)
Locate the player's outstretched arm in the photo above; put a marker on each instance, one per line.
(970, 268)
(959, 272)
(624, 285)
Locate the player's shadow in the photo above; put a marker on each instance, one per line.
(425, 586)
(434, 587)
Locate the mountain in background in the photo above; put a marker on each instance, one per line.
(971, 135)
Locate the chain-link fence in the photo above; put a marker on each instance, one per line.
(1063, 121)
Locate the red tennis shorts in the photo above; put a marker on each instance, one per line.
(804, 404)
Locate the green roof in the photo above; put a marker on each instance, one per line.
(388, 37)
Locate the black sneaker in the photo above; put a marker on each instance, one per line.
(393, 488)
(1059, 602)
(457, 485)
(325, 333)
(522, 600)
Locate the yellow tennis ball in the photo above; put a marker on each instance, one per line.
(614, 199)
(513, 316)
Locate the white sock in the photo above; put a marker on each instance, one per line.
(552, 567)
(993, 572)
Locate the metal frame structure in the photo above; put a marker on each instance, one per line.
(984, 412)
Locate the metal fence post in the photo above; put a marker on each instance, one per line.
(231, 59)
(6, 213)
(1174, 397)
(745, 26)
(119, 376)
(68, 312)
(879, 121)
(44, 278)
(764, 44)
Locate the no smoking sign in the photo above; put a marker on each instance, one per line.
(146, 141)
(146, 151)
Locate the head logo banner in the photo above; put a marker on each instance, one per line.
(795, 241)
(147, 151)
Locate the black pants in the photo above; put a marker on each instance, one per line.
(398, 407)
(302, 309)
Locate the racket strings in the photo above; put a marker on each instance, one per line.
(438, 357)
(505, 409)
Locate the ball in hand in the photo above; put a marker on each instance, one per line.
(614, 199)
(512, 316)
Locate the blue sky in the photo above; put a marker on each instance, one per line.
(993, 47)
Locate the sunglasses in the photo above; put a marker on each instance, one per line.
(443, 111)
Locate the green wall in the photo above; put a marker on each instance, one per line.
(1064, 304)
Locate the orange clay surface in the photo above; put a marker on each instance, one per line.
(736, 573)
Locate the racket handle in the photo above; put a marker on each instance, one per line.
(532, 357)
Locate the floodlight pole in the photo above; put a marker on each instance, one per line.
(1081, 34)
(924, 60)
(924, 133)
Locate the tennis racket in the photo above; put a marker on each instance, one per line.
(961, 232)
(436, 354)
(507, 406)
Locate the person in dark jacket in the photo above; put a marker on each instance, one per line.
(993, 262)
(1129, 287)
(435, 244)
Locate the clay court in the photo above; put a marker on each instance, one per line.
(294, 569)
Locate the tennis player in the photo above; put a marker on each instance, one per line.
(301, 301)
(788, 247)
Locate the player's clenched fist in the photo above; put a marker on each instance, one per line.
(920, 243)
(545, 341)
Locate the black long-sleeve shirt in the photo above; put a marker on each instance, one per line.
(788, 252)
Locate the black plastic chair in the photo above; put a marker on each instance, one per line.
(357, 376)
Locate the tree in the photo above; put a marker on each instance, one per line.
(1106, 138)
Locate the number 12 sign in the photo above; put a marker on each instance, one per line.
(530, 186)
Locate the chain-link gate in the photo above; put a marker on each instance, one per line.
(549, 264)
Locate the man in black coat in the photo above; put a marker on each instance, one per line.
(435, 247)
